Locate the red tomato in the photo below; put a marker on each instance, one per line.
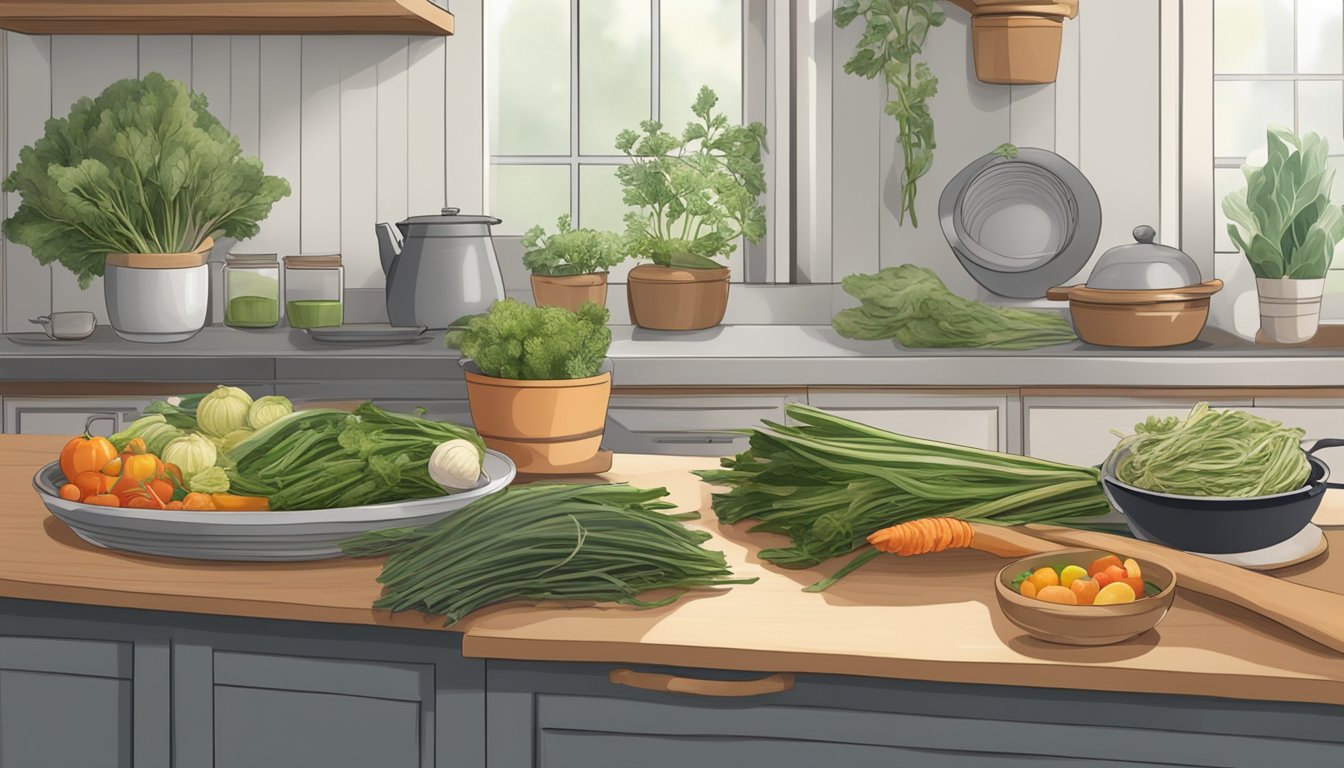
(1102, 580)
(1102, 563)
(1116, 573)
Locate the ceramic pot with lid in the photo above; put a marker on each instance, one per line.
(439, 268)
(1142, 294)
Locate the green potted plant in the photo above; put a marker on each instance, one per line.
(538, 383)
(1287, 227)
(133, 186)
(570, 267)
(694, 195)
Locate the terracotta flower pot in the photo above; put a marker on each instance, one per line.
(569, 291)
(544, 426)
(673, 299)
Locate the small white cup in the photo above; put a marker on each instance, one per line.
(67, 325)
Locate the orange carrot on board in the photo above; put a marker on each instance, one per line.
(915, 537)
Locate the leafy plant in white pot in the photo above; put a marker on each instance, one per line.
(133, 186)
(1287, 227)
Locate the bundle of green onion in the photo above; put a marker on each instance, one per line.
(545, 542)
(830, 482)
(1227, 453)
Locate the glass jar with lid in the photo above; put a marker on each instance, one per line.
(251, 290)
(314, 290)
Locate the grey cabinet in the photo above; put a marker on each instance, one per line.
(572, 716)
(982, 420)
(65, 702)
(689, 425)
(68, 415)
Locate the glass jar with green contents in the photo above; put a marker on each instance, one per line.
(314, 290)
(251, 290)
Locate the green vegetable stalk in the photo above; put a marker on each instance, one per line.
(829, 482)
(142, 168)
(153, 428)
(570, 251)
(911, 306)
(894, 34)
(518, 341)
(545, 542)
(694, 194)
(1283, 220)
(1227, 453)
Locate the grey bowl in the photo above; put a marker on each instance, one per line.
(254, 536)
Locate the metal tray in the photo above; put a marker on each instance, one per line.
(371, 333)
(254, 536)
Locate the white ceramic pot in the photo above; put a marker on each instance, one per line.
(1290, 310)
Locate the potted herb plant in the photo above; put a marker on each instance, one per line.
(1287, 227)
(538, 382)
(694, 195)
(570, 267)
(132, 186)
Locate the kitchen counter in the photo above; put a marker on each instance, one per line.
(931, 618)
(727, 356)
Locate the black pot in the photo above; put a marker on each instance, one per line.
(1217, 525)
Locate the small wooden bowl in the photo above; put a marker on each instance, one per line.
(1083, 624)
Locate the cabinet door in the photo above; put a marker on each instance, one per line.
(64, 703)
(979, 421)
(691, 425)
(68, 415)
(1077, 430)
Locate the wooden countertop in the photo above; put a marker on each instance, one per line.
(928, 618)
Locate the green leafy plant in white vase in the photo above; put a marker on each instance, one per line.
(1284, 222)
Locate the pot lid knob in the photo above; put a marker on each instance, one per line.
(455, 211)
(1144, 234)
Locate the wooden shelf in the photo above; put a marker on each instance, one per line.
(234, 17)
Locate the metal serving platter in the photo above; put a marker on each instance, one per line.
(254, 536)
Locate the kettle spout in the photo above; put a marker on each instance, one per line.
(389, 245)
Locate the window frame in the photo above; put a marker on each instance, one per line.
(765, 34)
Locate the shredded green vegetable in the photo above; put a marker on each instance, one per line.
(1227, 453)
(545, 542)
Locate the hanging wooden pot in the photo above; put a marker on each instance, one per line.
(1017, 42)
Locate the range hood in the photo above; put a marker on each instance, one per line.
(1017, 41)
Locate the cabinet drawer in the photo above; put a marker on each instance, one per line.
(1078, 430)
(689, 425)
(974, 420)
(67, 416)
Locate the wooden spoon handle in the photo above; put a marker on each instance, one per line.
(1314, 613)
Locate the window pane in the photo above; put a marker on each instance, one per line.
(528, 72)
(1320, 108)
(701, 44)
(1320, 31)
(1242, 111)
(1253, 36)
(525, 195)
(1225, 182)
(600, 204)
(614, 64)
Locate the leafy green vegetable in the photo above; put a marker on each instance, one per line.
(1016, 583)
(570, 251)
(142, 168)
(828, 482)
(325, 458)
(910, 305)
(209, 480)
(1006, 150)
(894, 35)
(153, 428)
(1283, 219)
(695, 194)
(1228, 453)
(519, 341)
(545, 542)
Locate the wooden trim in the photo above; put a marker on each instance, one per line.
(241, 17)
(1210, 393)
(99, 389)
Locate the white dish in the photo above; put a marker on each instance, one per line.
(254, 536)
(1307, 544)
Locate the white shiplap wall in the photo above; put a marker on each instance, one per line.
(1102, 114)
(365, 128)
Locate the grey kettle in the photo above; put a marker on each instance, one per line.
(439, 268)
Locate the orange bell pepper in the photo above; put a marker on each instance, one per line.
(94, 483)
(85, 454)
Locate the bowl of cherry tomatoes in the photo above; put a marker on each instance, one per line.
(1085, 596)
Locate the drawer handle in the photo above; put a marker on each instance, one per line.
(651, 681)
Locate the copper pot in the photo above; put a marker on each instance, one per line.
(1162, 317)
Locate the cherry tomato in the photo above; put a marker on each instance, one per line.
(1102, 563)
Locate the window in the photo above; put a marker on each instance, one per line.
(1274, 62)
(563, 77)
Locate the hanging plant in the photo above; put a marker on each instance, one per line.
(894, 35)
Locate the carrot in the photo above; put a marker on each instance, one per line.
(71, 492)
(103, 500)
(173, 505)
(918, 537)
(229, 502)
(198, 502)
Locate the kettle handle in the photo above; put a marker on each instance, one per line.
(389, 245)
